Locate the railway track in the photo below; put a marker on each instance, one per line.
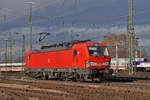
(119, 89)
(11, 94)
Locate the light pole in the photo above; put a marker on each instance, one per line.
(131, 38)
(137, 47)
(116, 44)
(30, 20)
(140, 47)
(23, 49)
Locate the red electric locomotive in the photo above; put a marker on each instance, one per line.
(78, 60)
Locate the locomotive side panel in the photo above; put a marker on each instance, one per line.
(60, 59)
(37, 60)
(57, 59)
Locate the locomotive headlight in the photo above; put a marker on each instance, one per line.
(88, 64)
(94, 63)
(105, 63)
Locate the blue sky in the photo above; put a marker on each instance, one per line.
(90, 18)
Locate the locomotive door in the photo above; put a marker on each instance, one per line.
(29, 62)
(75, 58)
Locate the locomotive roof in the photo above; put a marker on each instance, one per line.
(60, 46)
(51, 49)
(64, 44)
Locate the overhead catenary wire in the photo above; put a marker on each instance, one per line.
(58, 17)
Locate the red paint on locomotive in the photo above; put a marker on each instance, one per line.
(81, 55)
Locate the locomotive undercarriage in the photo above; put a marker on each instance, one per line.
(69, 74)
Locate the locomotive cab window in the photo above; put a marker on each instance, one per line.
(75, 53)
(98, 51)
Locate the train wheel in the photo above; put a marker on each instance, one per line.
(85, 77)
(63, 78)
(77, 77)
(101, 77)
(44, 76)
(66, 76)
(37, 75)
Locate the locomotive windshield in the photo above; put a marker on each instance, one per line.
(98, 51)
